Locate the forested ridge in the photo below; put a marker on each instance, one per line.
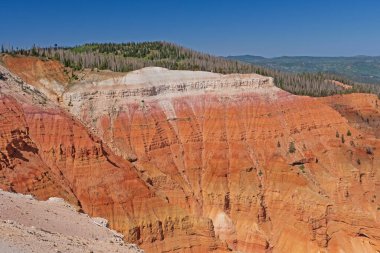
(124, 57)
(365, 69)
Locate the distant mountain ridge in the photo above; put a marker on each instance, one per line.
(359, 68)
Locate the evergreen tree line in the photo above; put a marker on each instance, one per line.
(124, 57)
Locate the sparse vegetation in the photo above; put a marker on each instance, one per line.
(278, 144)
(292, 147)
(337, 134)
(126, 57)
(369, 150)
(302, 168)
(348, 132)
(343, 140)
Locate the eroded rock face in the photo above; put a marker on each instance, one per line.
(21, 167)
(49, 77)
(203, 162)
(99, 182)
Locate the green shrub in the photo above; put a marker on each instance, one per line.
(292, 147)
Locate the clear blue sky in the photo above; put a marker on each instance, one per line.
(265, 27)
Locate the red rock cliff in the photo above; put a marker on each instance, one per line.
(41, 140)
(191, 162)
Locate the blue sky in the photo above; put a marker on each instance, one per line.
(267, 27)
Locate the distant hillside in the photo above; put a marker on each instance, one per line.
(124, 57)
(359, 68)
(130, 56)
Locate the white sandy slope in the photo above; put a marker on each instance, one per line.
(28, 225)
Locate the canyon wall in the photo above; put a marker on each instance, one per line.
(92, 177)
(182, 161)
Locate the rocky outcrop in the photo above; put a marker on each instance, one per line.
(48, 76)
(233, 163)
(21, 167)
(92, 177)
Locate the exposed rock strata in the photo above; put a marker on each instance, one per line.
(101, 183)
(184, 162)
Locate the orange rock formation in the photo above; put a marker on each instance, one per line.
(201, 162)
